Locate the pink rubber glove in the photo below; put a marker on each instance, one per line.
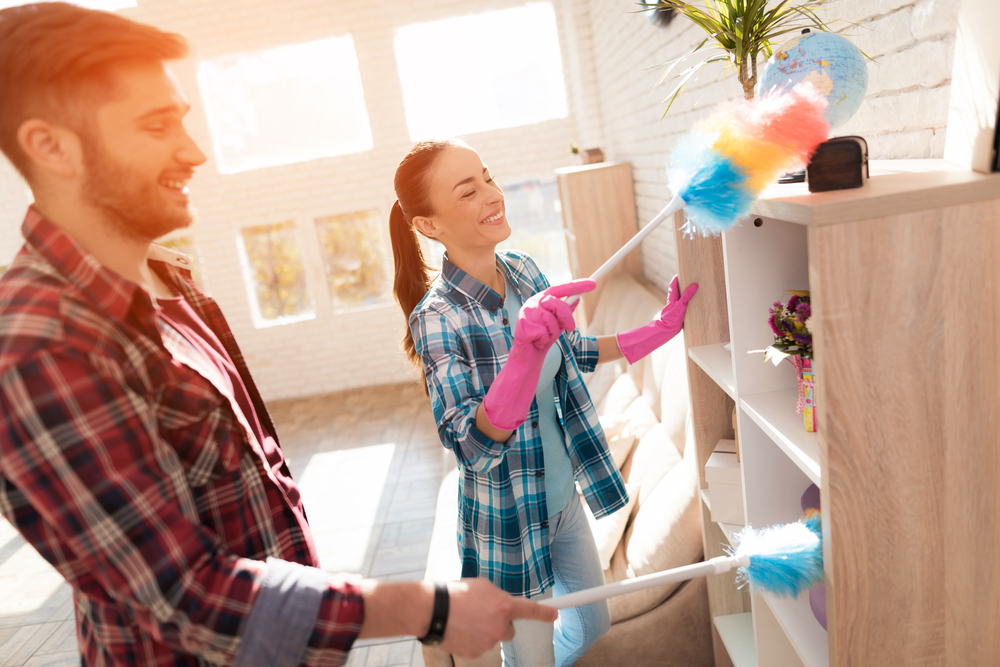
(542, 319)
(637, 343)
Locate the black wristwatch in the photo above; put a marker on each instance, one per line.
(439, 617)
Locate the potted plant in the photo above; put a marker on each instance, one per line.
(738, 31)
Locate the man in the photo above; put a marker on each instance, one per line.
(136, 454)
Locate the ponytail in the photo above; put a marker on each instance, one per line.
(412, 278)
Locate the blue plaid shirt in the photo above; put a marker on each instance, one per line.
(462, 336)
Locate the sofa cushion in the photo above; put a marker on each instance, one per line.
(654, 456)
(600, 381)
(666, 384)
(622, 393)
(665, 533)
(608, 530)
(621, 439)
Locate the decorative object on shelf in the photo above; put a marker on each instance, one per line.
(587, 155)
(737, 32)
(725, 484)
(817, 593)
(840, 163)
(829, 61)
(784, 559)
(793, 341)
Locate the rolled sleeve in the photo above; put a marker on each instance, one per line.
(585, 351)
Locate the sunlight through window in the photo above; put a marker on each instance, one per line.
(341, 490)
(481, 72)
(285, 105)
(275, 275)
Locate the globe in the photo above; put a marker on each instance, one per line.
(831, 62)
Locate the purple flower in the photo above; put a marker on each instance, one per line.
(793, 302)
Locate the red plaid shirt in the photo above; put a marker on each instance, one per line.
(131, 474)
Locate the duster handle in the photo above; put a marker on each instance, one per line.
(714, 566)
(675, 205)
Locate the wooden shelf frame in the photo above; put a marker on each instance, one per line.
(905, 281)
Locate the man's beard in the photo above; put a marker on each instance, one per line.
(136, 209)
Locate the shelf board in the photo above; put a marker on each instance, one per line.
(806, 635)
(717, 362)
(774, 412)
(895, 187)
(736, 632)
(728, 529)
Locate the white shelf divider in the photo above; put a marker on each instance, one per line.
(736, 632)
(774, 412)
(806, 635)
(717, 362)
(728, 529)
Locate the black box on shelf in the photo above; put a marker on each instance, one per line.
(840, 163)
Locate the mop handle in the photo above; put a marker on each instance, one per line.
(675, 205)
(714, 566)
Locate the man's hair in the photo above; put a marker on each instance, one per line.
(57, 61)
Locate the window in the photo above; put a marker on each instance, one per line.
(535, 216)
(276, 278)
(285, 105)
(481, 72)
(354, 259)
(185, 244)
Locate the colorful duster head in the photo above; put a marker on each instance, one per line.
(785, 559)
(720, 167)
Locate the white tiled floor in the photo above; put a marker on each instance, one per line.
(369, 465)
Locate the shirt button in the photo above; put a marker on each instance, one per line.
(539, 473)
(534, 424)
(545, 524)
(505, 320)
(492, 308)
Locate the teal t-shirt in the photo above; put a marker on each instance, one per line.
(559, 481)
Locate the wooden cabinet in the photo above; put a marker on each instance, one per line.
(905, 281)
(598, 208)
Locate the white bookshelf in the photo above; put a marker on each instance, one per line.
(807, 636)
(884, 264)
(770, 412)
(736, 631)
(717, 362)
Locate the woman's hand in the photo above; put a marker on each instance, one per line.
(637, 343)
(542, 320)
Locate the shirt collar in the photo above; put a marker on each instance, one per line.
(473, 288)
(112, 292)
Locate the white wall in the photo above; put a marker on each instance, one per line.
(611, 57)
(334, 351)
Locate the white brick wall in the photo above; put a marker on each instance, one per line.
(334, 351)
(611, 57)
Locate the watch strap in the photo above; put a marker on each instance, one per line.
(439, 617)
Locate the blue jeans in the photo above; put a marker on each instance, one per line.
(576, 566)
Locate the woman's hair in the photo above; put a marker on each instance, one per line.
(413, 277)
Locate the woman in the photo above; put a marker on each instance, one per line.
(502, 360)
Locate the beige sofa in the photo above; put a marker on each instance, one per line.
(644, 411)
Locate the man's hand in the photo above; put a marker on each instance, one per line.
(480, 615)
